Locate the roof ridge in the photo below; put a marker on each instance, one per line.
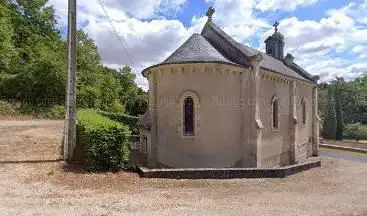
(296, 68)
(214, 45)
(224, 35)
(301, 71)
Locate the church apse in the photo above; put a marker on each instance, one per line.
(196, 131)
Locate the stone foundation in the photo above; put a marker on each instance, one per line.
(228, 173)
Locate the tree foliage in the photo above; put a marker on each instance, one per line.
(350, 102)
(6, 34)
(338, 109)
(33, 63)
(329, 129)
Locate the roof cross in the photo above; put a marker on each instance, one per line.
(210, 13)
(276, 26)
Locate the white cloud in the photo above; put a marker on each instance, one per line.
(267, 5)
(236, 17)
(145, 8)
(61, 9)
(320, 46)
(363, 56)
(147, 42)
(315, 44)
(355, 10)
(359, 49)
(244, 7)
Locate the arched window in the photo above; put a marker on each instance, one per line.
(275, 113)
(304, 113)
(188, 117)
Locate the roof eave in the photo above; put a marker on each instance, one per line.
(305, 80)
(189, 62)
(302, 72)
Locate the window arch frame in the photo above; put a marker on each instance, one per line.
(181, 114)
(274, 127)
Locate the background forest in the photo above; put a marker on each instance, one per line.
(33, 67)
(343, 108)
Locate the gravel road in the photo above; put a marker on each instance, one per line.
(29, 185)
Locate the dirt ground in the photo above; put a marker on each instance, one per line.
(31, 184)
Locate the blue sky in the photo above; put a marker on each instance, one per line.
(198, 7)
(327, 37)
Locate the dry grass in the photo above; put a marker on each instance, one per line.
(30, 140)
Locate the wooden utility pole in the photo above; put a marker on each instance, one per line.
(70, 114)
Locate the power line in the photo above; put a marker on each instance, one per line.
(117, 35)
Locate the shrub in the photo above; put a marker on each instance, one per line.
(88, 96)
(104, 141)
(43, 110)
(6, 108)
(356, 131)
(117, 107)
(128, 120)
(57, 111)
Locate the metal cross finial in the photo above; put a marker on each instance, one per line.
(276, 26)
(210, 13)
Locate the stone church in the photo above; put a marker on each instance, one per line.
(217, 103)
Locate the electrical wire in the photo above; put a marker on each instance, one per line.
(117, 35)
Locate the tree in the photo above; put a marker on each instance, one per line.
(33, 66)
(6, 33)
(361, 99)
(329, 129)
(138, 104)
(38, 67)
(133, 97)
(322, 98)
(109, 93)
(350, 99)
(338, 109)
(89, 74)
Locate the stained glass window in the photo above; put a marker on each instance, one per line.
(188, 116)
(275, 114)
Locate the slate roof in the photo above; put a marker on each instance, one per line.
(214, 45)
(278, 66)
(196, 49)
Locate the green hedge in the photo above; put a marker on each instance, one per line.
(356, 131)
(105, 141)
(128, 120)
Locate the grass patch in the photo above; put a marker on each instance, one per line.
(355, 154)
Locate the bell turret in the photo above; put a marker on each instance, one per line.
(275, 44)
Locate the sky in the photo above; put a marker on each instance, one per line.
(326, 37)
